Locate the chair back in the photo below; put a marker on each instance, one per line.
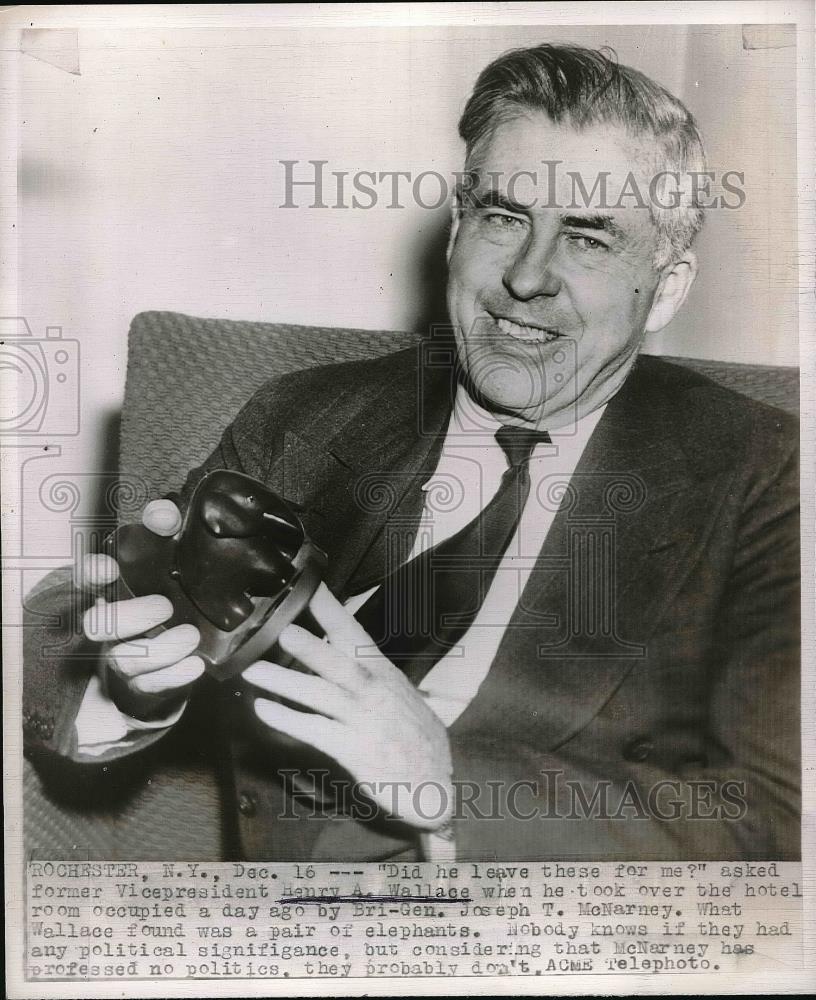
(188, 377)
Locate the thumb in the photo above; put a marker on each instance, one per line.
(162, 517)
(94, 572)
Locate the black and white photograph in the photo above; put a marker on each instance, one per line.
(402, 463)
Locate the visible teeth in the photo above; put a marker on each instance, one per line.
(532, 334)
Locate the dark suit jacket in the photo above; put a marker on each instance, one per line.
(644, 698)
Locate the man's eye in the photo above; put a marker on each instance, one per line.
(501, 221)
(586, 242)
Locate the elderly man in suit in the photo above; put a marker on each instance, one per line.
(560, 613)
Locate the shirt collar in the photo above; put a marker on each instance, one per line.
(470, 420)
(471, 427)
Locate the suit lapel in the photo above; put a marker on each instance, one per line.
(360, 488)
(629, 526)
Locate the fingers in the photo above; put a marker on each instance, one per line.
(162, 517)
(343, 631)
(95, 571)
(312, 692)
(109, 622)
(170, 679)
(321, 733)
(132, 659)
(320, 657)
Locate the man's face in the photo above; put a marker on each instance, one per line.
(550, 302)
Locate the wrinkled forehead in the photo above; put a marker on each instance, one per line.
(534, 159)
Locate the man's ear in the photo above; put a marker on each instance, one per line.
(675, 284)
(456, 218)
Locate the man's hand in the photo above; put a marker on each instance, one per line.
(150, 672)
(372, 720)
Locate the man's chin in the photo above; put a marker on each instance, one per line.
(500, 401)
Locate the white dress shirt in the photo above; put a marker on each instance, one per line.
(466, 479)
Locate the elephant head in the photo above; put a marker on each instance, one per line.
(237, 543)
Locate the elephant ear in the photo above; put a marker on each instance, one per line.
(225, 517)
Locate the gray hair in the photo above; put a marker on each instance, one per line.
(584, 87)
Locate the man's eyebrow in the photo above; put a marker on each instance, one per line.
(494, 199)
(605, 223)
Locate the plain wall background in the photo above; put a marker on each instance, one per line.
(152, 180)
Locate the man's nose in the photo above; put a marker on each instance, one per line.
(532, 272)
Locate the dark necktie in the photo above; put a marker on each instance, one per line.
(424, 607)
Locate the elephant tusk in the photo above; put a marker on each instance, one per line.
(278, 520)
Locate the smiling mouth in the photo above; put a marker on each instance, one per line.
(526, 332)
